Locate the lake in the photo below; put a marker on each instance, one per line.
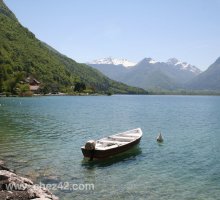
(41, 137)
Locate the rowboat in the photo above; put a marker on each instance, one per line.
(111, 145)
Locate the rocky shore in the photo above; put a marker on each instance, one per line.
(15, 187)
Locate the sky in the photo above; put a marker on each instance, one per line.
(133, 29)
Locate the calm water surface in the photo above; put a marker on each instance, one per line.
(41, 138)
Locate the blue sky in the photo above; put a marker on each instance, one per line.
(134, 29)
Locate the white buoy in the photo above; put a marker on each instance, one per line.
(159, 138)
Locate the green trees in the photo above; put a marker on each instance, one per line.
(1, 79)
(23, 90)
(79, 87)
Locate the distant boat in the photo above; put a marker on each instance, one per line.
(159, 138)
(112, 145)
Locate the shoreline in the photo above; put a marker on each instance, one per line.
(14, 186)
(60, 94)
(87, 95)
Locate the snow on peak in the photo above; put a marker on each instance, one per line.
(148, 60)
(172, 61)
(152, 61)
(113, 61)
(183, 65)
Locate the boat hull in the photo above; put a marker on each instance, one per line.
(101, 154)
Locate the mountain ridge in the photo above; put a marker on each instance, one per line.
(173, 72)
(6, 11)
(208, 80)
(126, 63)
(113, 61)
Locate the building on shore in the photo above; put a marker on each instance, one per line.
(34, 84)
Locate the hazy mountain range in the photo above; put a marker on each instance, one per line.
(208, 80)
(148, 73)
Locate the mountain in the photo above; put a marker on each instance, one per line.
(184, 66)
(23, 55)
(208, 80)
(5, 11)
(113, 61)
(112, 67)
(148, 73)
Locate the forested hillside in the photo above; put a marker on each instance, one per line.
(23, 55)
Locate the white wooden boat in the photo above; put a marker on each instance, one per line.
(112, 145)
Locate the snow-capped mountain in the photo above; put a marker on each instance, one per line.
(148, 73)
(113, 61)
(147, 61)
(183, 65)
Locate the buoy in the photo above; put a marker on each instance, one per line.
(160, 138)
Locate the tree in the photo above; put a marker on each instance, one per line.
(23, 90)
(79, 87)
(1, 80)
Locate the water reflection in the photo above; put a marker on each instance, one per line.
(122, 157)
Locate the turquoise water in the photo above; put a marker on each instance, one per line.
(41, 137)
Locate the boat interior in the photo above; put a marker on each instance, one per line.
(118, 140)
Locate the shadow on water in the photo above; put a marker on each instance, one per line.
(160, 144)
(122, 157)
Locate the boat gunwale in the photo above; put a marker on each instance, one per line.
(102, 154)
(140, 133)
